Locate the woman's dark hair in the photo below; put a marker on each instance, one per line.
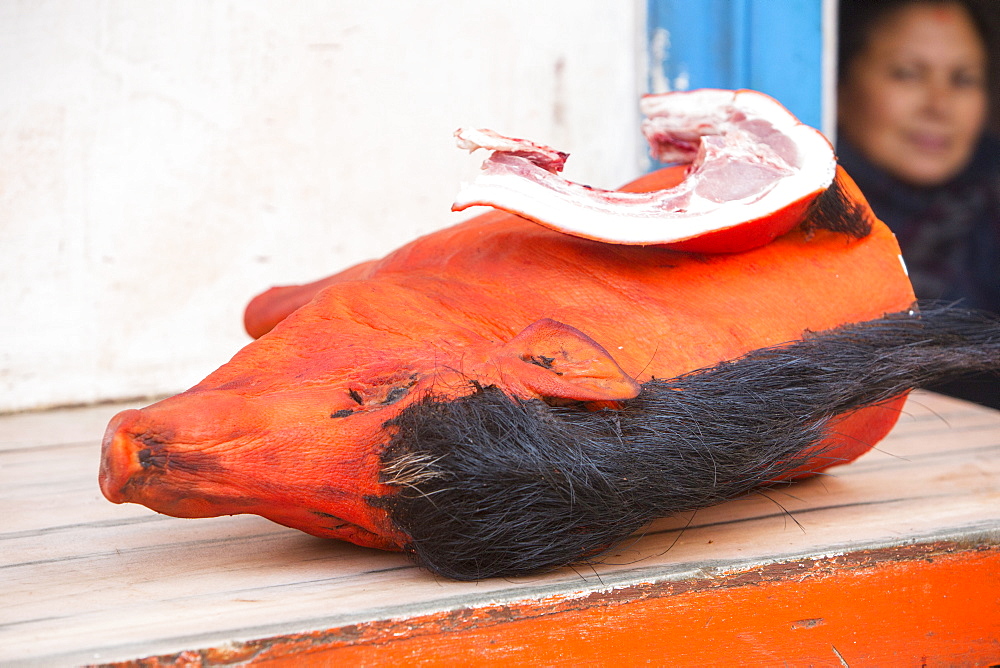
(859, 17)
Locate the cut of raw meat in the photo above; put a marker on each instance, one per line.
(752, 170)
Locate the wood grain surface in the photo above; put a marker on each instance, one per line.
(85, 581)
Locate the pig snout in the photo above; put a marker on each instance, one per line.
(211, 453)
(120, 458)
(145, 461)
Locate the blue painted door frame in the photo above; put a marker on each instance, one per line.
(774, 46)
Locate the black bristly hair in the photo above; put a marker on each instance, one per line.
(835, 211)
(489, 485)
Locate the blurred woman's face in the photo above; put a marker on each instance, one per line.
(914, 101)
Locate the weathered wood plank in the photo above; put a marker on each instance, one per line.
(85, 581)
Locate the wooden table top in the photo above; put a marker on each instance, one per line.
(86, 581)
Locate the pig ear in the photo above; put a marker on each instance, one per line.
(552, 359)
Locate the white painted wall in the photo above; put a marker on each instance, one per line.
(162, 162)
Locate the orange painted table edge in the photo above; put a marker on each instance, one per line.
(921, 605)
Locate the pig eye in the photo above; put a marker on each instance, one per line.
(395, 394)
(539, 360)
(382, 391)
(378, 396)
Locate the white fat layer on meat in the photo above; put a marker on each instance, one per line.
(748, 157)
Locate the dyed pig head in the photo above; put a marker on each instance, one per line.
(502, 397)
(292, 428)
